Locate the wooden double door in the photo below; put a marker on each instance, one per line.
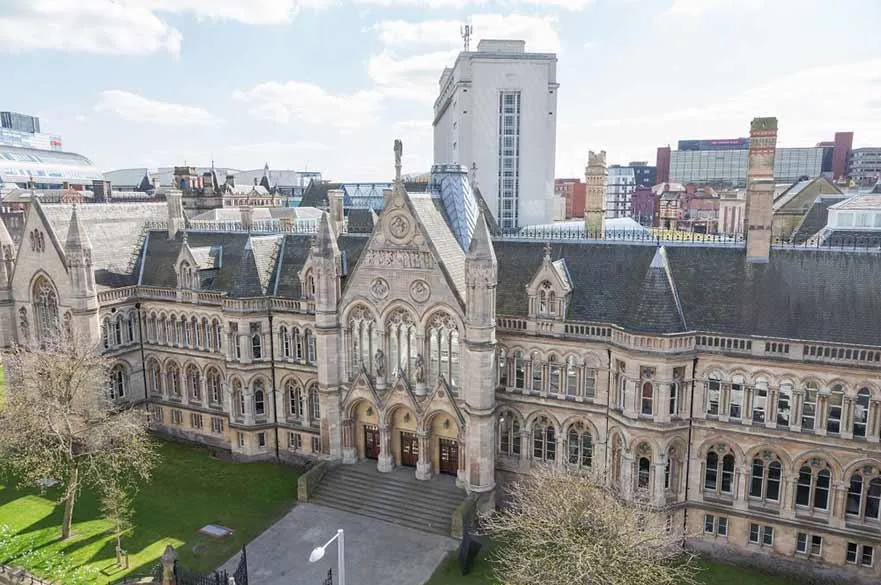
(371, 442)
(409, 449)
(448, 450)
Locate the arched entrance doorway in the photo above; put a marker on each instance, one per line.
(445, 450)
(366, 430)
(404, 443)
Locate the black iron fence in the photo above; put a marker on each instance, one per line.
(329, 579)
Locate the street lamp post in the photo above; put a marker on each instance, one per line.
(318, 554)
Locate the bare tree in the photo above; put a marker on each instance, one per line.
(59, 423)
(570, 529)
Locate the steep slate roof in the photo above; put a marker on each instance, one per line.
(115, 236)
(656, 306)
(449, 252)
(295, 252)
(248, 261)
(807, 294)
(361, 221)
(815, 219)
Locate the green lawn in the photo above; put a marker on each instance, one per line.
(712, 574)
(189, 489)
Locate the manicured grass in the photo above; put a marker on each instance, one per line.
(189, 489)
(712, 573)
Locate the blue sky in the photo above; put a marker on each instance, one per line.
(329, 84)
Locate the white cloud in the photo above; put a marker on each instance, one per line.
(415, 53)
(699, 7)
(279, 147)
(135, 108)
(296, 101)
(247, 12)
(458, 4)
(87, 26)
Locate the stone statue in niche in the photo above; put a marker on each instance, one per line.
(419, 369)
(379, 363)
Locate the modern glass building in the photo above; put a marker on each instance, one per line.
(46, 169)
(727, 168)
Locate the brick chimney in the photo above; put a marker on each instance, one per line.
(759, 211)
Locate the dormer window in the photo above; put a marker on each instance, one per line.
(549, 290)
(546, 300)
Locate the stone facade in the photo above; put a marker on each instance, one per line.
(642, 363)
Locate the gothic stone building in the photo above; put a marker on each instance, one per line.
(746, 395)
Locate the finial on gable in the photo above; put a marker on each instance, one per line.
(399, 152)
(547, 252)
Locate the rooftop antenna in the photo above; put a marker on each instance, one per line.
(466, 31)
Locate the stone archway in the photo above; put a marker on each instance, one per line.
(402, 442)
(362, 432)
(444, 451)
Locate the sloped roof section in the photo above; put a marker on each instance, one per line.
(656, 307)
(116, 232)
(449, 253)
(815, 219)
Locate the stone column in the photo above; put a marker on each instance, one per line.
(659, 493)
(872, 421)
(627, 480)
(846, 426)
(798, 398)
(820, 419)
(771, 409)
(350, 448)
(787, 496)
(386, 461)
(741, 479)
(525, 446)
(461, 473)
(747, 414)
(423, 464)
(837, 502)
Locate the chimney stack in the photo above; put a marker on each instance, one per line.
(173, 199)
(247, 217)
(595, 176)
(335, 204)
(759, 211)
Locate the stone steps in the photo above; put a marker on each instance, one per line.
(395, 497)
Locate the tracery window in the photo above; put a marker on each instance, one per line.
(812, 489)
(118, 382)
(765, 477)
(363, 339)
(173, 380)
(535, 366)
(45, 308)
(285, 342)
(212, 378)
(864, 494)
(643, 473)
(442, 336)
(295, 400)
(544, 442)
(834, 403)
(238, 397)
(310, 347)
(719, 472)
(509, 434)
(572, 371)
(314, 407)
(402, 345)
(553, 375)
(256, 346)
(648, 393)
(519, 370)
(259, 398)
(194, 383)
(580, 445)
(154, 376)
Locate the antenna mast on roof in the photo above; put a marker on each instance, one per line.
(466, 31)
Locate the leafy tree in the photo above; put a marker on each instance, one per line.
(571, 529)
(58, 422)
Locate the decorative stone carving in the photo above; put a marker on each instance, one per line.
(420, 291)
(379, 288)
(419, 369)
(38, 241)
(379, 363)
(399, 226)
(406, 259)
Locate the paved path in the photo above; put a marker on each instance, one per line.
(377, 553)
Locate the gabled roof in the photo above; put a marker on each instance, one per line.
(815, 219)
(450, 256)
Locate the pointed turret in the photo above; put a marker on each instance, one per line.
(77, 238)
(481, 277)
(325, 256)
(7, 256)
(78, 251)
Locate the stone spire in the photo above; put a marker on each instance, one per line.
(481, 278)
(325, 258)
(77, 238)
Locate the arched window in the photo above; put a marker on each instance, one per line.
(309, 285)
(196, 333)
(760, 400)
(130, 327)
(784, 404)
(314, 407)
(572, 371)
(311, 356)
(544, 442)
(864, 494)
(212, 378)
(719, 473)
(535, 365)
(580, 445)
(256, 346)
(117, 331)
(285, 342)
(673, 405)
(834, 402)
(861, 413)
(673, 470)
(118, 382)
(194, 383)
(238, 397)
(173, 336)
(151, 327)
(544, 293)
(714, 389)
(643, 473)
(809, 407)
(163, 330)
(443, 343)
(106, 335)
(519, 370)
(765, 478)
(648, 392)
(509, 434)
(590, 382)
(812, 490)
(218, 335)
(553, 375)
(735, 401)
(186, 336)
(402, 345)
(259, 398)
(363, 340)
(295, 400)
(154, 376)
(45, 301)
(503, 366)
(173, 380)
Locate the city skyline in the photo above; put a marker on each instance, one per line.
(193, 80)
